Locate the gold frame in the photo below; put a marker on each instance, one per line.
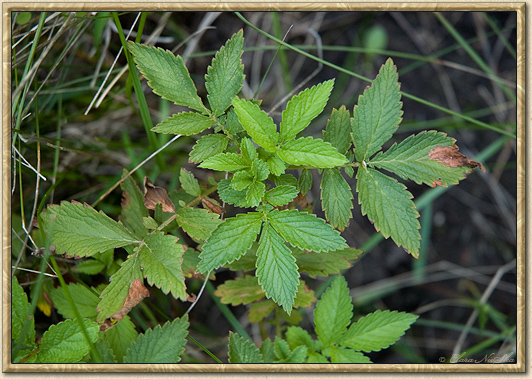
(522, 226)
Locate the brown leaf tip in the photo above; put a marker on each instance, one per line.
(450, 157)
(154, 195)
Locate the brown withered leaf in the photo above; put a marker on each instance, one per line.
(154, 195)
(449, 156)
(137, 292)
(209, 204)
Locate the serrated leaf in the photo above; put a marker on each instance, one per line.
(317, 264)
(266, 349)
(333, 312)
(285, 180)
(377, 114)
(150, 223)
(317, 358)
(254, 193)
(66, 343)
(120, 337)
(197, 223)
(241, 180)
(184, 123)
(338, 129)
(243, 290)
(230, 240)
(90, 267)
(105, 352)
(225, 162)
(298, 355)
(303, 108)
(306, 231)
(304, 296)
(276, 165)
(225, 76)
(161, 344)
(85, 301)
(161, 258)
(257, 123)
(78, 229)
(377, 331)
(260, 170)
(389, 206)
(261, 309)
(19, 314)
(167, 75)
(249, 153)
(208, 146)
(232, 123)
(281, 349)
(133, 209)
(410, 160)
(242, 350)
(296, 336)
(281, 195)
(230, 195)
(336, 198)
(311, 152)
(115, 293)
(189, 183)
(276, 269)
(304, 183)
(344, 355)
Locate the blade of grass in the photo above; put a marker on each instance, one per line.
(285, 70)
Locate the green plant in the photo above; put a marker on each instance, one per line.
(259, 156)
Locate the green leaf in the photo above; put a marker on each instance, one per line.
(20, 308)
(249, 153)
(303, 108)
(161, 258)
(276, 269)
(345, 355)
(389, 206)
(306, 231)
(230, 195)
(260, 170)
(257, 123)
(377, 331)
(225, 162)
(184, 123)
(232, 124)
(197, 223)
(167, 75)
(133, 208)
(230, 240)
(225, 76)
(261, 309)
(241, 180)
(333, 312)
(311, 152)
(377, 114)
(65, 342)
(90, 267)
(120, 337)
(254, 193)
(304, 183)
(298, 355)
(317, 264)
(281, 349)
(410, 160)
(105, 352)
(281, 195)
(276, 165)
(208, 146)
(78, 229)
(85, 300)
(317, 358)
(161, 344)
(336, 198)
(338, 129)
(304, 296)
(284, 180)
(242, 350)
(296, 336)
(115, 293)
(243, 290)
(189, 183)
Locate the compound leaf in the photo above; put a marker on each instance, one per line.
(389, 206)
(281, 195)
(308, 151)
(377, 331)
(161, 258)
(79, 230)
(225, 162)
(257, 123)
(242, 350)
(167, 75)
(333, 312)
(276, 269)
(410, 159)
(377, 114)
(225, 76)
(303, 108)
(230, 240)
(306, 231)
(208, 146)
(336, 198)
(184, 123)
(161, 344)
